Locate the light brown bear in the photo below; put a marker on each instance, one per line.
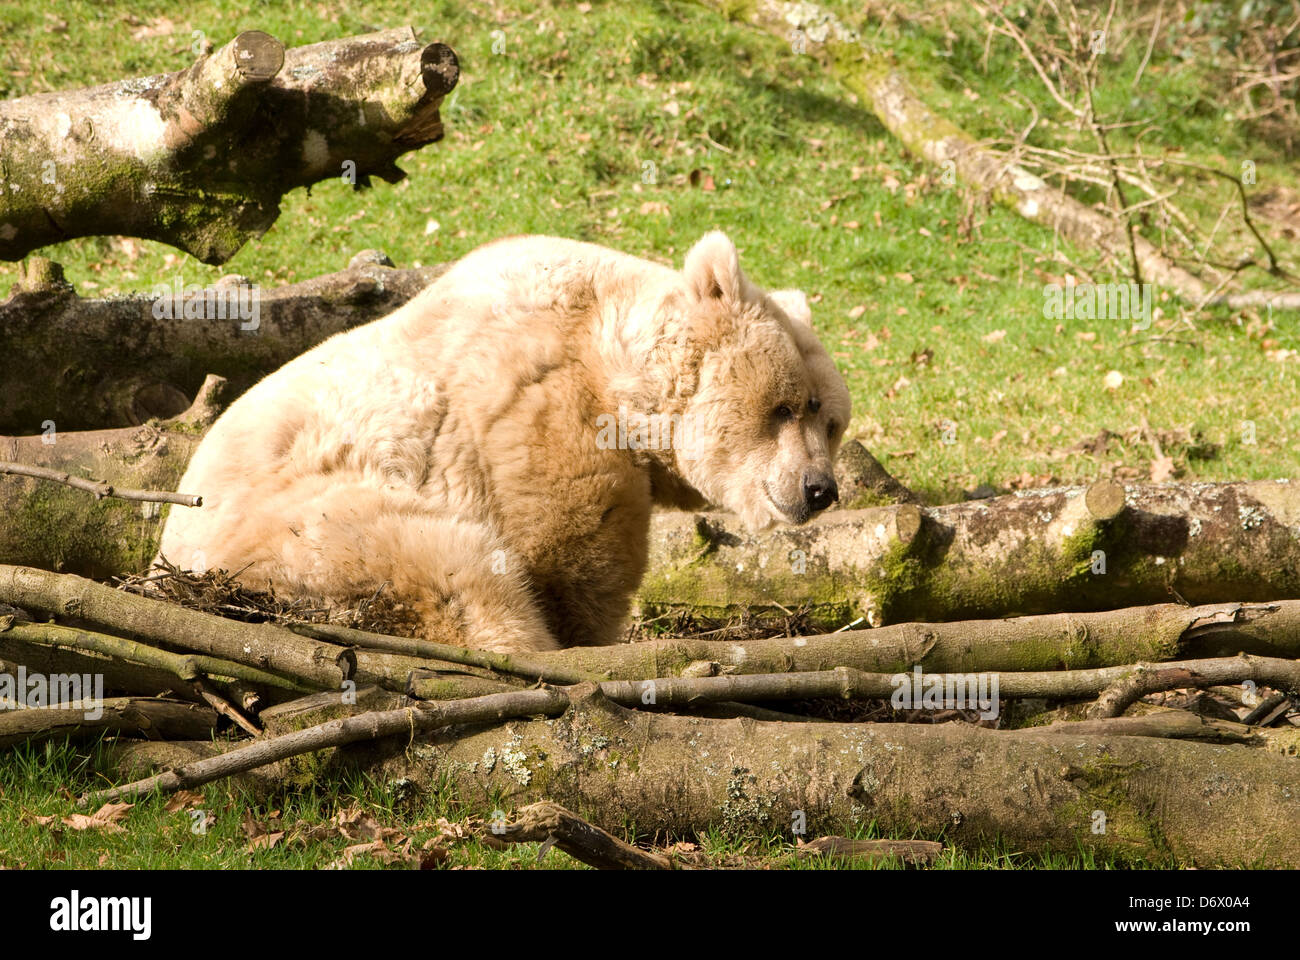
(493, 448)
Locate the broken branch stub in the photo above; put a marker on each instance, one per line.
(200, 158)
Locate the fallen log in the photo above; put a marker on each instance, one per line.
(1201, 803)
(872, 75)
(1139, 798)
(1035, 551)
(1070, 548)
(57, 528)
(1111, 638)
(186, 667)
(199, 159)
(160, 352)
(151, 718)
(1075, 655)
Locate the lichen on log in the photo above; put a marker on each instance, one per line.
(1035, 551)
(199, 159)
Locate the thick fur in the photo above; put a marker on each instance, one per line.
(454, 448)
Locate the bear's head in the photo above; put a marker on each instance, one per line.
(768, 409)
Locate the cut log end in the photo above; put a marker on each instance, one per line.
(257, 56)
(1105, 500)
(907, 523)
(439, 68)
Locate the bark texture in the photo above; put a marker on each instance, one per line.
(1050, 642)
(1204, 803)
(199, 159)
(109, 363)
(1035, 551)
(55, 527)
(149, 718)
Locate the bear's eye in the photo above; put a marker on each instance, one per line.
(783, 413)
(830, 429)
(814, 405)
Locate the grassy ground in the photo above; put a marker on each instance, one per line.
(641, 125)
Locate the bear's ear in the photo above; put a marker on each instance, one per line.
(794, 304)
(713, 268)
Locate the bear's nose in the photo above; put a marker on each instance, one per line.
(819, 491)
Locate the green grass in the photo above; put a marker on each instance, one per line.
(590, 123)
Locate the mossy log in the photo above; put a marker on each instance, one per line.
(106, 363)
(267, 647)
(199, 159)
(1035, 551)
(150, 718)
(1204, 804)
(185, 667)
(55, 527)
(1140, 798)
(1049, 642)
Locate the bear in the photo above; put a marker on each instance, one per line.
(491, 451)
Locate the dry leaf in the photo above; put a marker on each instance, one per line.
(994, 336)
(183, 800)
(105, 818)
(265, 841)
(1162, 469)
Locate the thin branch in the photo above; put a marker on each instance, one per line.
(366, 726)
(1142, 679)
(184, 666)
(551, 824)
(428, 650)
(99, 488)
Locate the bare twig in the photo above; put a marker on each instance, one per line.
(98, 488)
(223, 707)
(1145, 678)
(551, 824)
(425, 649)
(366, 726)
